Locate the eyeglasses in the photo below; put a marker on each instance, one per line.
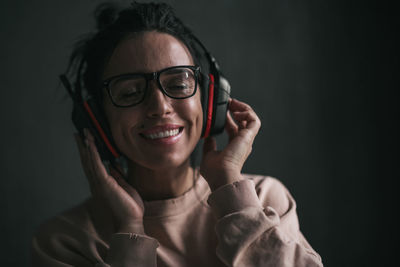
(130, 89)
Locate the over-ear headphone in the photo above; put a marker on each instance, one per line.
(216, 97)
(88, 114)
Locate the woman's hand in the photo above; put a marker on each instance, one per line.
(113, 191)
(224, 167)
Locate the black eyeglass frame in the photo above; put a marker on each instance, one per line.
(148, 77)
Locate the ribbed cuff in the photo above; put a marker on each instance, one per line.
(234, 197)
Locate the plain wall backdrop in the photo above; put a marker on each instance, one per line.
(321, 75)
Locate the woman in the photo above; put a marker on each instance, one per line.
(155, 213)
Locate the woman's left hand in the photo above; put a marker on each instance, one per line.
(224, 167)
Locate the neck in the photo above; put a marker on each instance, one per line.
(160, 184)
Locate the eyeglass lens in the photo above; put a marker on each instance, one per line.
(176, 83)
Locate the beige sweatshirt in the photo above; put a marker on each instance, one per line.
(252, 222)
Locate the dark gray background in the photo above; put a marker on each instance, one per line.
(320, 74)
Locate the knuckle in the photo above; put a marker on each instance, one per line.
(247, 106)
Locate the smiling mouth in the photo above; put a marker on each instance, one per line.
(163, 134)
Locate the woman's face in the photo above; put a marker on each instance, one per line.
(160, 132)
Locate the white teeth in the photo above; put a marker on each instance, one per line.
(164, 134)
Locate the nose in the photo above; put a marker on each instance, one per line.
(157, 103)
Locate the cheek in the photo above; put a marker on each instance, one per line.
(119, 120)
(199, 109)
(192, 111)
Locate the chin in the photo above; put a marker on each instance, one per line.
(161, 161)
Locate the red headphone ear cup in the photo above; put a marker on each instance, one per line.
(209, 106)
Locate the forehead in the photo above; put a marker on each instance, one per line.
(147, 52)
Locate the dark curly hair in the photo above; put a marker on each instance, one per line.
(114, 24)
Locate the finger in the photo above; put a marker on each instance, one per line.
(99, 171)
(243, 124)
(230, 126)
(90, 166)
(210, 144)
(84, 157)
(249, 117)
(131, 191)
(236, 105)
(116, 171)
(240, 118)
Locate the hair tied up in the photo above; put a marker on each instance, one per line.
(106, 14)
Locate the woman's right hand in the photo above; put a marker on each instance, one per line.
(112, 190)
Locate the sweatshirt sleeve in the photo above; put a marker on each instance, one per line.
(61, 243)
(259, 229)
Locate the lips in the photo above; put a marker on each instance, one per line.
(162, 131)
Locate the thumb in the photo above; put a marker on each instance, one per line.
(210, 144)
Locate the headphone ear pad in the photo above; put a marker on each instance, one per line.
(208, 107)
(215, 105)
(221, 100)
(204, 85)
